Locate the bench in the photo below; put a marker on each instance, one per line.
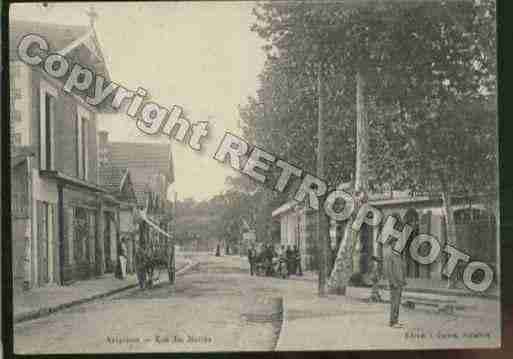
(441, 305)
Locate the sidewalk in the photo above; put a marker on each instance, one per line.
(39, 302)
(342, 323)
(423, 286)
(349, 323)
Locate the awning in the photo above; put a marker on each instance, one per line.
(145, 218)
(284, 208)
(67, 179)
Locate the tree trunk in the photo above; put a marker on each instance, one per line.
(343, 266)
(348, 256)
(362, 134)
(449, 221)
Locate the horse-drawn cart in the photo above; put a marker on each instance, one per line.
(158, 251)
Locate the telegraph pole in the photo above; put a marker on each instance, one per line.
(321, 217)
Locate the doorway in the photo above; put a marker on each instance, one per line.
(45, 232)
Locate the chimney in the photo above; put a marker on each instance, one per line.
(103, 150)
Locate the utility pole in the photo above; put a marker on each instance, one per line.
(362, 134)
(362, 150)
(321, 216)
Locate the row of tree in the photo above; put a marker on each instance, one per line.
(417, 79)
(226, 216)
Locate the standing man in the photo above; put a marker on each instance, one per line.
(393, 266)
(375, 275)
(251, 259)
(297, 260)
(269, 254)
(140, 266)
(123, 254)
(291, 263)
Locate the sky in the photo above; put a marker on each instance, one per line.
(199, 55)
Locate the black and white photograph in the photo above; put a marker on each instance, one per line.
(241, 176)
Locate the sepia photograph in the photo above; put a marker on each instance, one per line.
(241, 176)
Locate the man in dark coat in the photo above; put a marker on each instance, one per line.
(291, 263)
(140, 265)
(251, 259)
(269, 255)
(297, 261)
(394, 270)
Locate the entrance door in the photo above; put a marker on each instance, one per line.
(366, 249)
(42, 243)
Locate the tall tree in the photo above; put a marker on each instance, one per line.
(423, 65)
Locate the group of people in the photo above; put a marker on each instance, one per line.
(392, 266)
(287, 260)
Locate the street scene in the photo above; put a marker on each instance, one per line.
(254, 176)
(218, 306)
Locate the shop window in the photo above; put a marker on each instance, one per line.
(81, 235)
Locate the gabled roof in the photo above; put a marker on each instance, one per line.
(111, 177)
(144, 161)
(58, 36)
(115, 179)
(64, 39)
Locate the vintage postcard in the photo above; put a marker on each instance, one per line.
(254, 176)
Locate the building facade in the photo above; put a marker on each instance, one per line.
(475, 223)
(150, 173)
(57, 196)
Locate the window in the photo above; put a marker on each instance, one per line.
(17, 94)
(17, 139)
(82, 142)
(17, 116)
(47, 103)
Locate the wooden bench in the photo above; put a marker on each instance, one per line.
(441, 305)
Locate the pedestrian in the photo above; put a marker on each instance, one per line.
(393, 266)
(123, 255)
(289, 254)
(269, 254)
(251, 259)
(374, 277)
(297, 260)
(283, 265)
(218, 250)
(140, 266)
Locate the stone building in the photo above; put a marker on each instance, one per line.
(151, 171)
(57, 198)
(474, 218)
(119, 213)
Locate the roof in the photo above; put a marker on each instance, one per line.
(284, 208)
(111, 177)
(144, 161)
(20, 154)
(67, 179)
(380, 200)
(79, 44)
(58, 36)
(65, 39)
